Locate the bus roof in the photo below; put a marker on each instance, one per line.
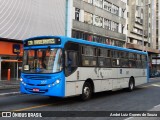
(81, 41)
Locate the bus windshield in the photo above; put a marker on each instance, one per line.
(42, 60)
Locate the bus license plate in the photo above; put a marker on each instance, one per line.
(36, 90)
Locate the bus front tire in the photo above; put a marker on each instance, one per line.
(86, 91)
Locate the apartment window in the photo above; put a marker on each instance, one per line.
(115, 9)
(77, 14)
(127, 14)
(115, 26)
(119, 43)
(98, 3)
(77, 34)
(88, 1)
(123, 10)
(98, 21)
(96, 38)
(108, 41)
(139, 42)
(138, 31)
(135, 30)
(88, 18)
(107, 24)
(89, 37)
(122, 29)
(107, 5)
(150, 25)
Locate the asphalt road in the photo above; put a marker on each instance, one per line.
(143, 98)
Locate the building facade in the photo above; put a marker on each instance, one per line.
(141, 25)
(101, 21)
(156, 58)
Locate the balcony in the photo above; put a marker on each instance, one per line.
(139, 47)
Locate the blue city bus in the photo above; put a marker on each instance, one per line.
(62, 66)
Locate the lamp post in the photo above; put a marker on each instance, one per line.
(143, 24)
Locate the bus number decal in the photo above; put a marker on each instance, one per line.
(43, 81)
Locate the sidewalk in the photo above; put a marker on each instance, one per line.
(9, 84)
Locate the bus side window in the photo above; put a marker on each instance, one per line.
(144, 61)
(71, 57)
(124, 59)
(115, 58)
(71, 62)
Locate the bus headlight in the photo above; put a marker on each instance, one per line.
(56, 82)
(21, 79)
(24, 83)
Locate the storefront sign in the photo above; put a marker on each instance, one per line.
(16, 48)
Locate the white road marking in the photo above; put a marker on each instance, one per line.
(146, 86)
(10, 93)
(157, 106)
(128, 118)
(156, 85)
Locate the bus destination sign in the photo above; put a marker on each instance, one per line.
(43, 41)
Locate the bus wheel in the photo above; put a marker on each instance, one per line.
(86, 91)
(131, 85)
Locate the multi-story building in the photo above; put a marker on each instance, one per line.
(141, 26)
(156, 58)
(100, 21)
